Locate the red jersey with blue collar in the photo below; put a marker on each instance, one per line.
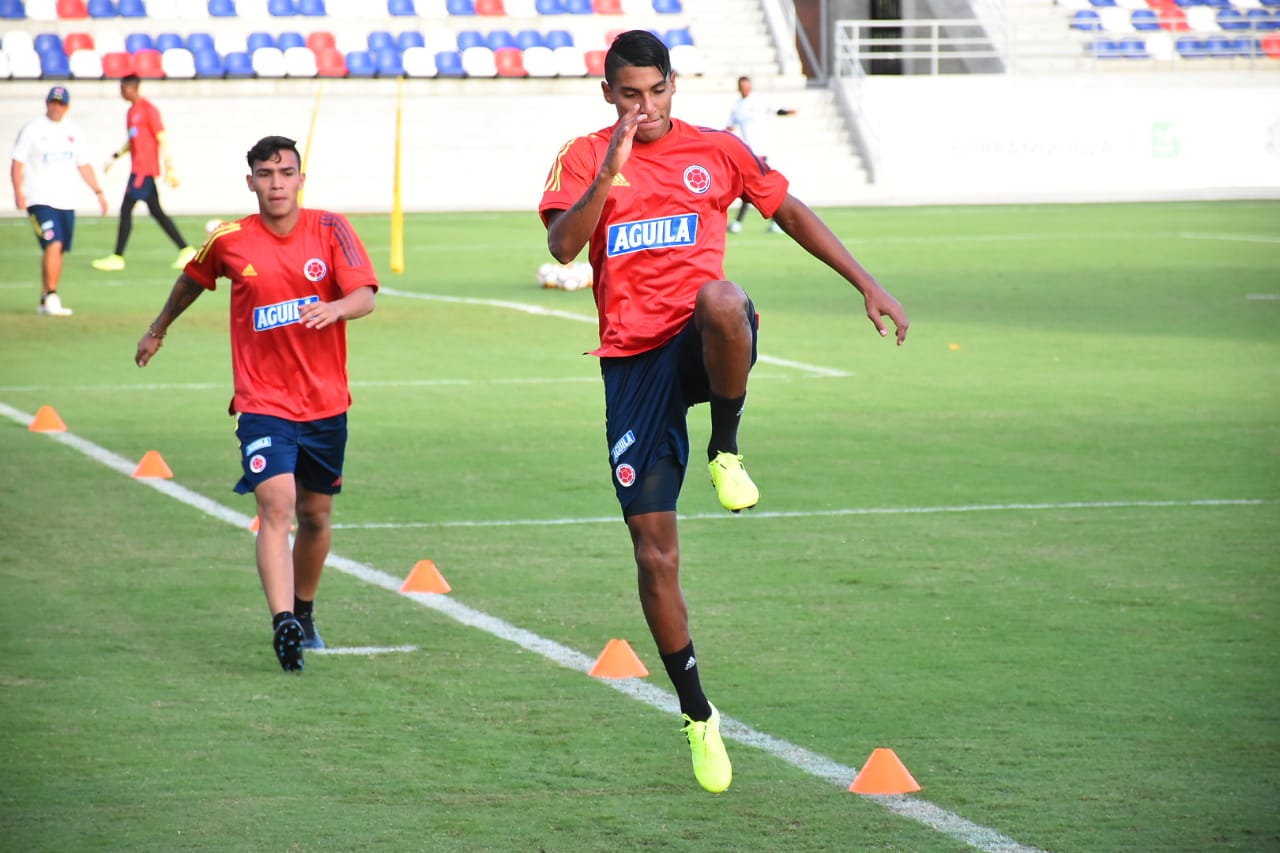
(279, 366)
(661, 234)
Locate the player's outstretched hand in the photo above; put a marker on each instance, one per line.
(881, 304)
(147, 347)
(624, 133)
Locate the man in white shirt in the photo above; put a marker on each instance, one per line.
(749, 119)
(47, 156)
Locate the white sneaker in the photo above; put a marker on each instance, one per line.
(774, 228)
(52, 306)
(735, 226)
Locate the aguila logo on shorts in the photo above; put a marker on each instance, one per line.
(620, 447)
(258, 464)
(697, 179)
(662, 233)
(280, 314)
(626, 475)
(314, 269)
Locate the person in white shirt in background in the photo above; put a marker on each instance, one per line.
(749, 119)
(48, 157)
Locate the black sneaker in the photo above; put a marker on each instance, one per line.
(311, 636)
(288, 641)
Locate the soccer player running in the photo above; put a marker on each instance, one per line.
(48, 161)
(650, 196)
(146, 145)
(297, 276)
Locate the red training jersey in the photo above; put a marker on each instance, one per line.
(661, 235)
(143, 121)
(279, 366)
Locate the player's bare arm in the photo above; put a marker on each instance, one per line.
(806, 228)
(318, 315)
(16, 171)
(184, 292)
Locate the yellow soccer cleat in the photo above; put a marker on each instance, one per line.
(111, 263)
(710, 761)
(187, 253)
(733, 486)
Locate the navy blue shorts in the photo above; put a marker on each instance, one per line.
(140, 188)
(647, 399)
(312, 451)
(53, 225)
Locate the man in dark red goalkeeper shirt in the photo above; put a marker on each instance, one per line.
(648, 196)
(297, 276)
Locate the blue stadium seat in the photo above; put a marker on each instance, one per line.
(1190, 47)
(1145, 20)
(48, 43)
(470, 38)
(238, 64)
(460, 7)
(1134, 48)
(526, 39)
(389, 63)
(401, 8)
(499, 38)
(1107, 49)
(559, 38)
(1219, 47)
(135, 42)
(133, 9)
(550, 7)
(380, 40)
(197, 42)
(102, 9)
(290, 39)
(54, 65)
(449, 64)
(167, 41)
(667, 7)
(259, 39)
(222, 9)
(360, 64)
(282, 8)
(678, 36)
(1087, 20)
(1243, 47)
(312, 8)
(13, 9)
(578, 7)
(410, 38)
(208, 63)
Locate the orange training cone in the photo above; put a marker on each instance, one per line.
(47, 420)
(884, 774)
(153, 465)
(425, 577)
(618, 660)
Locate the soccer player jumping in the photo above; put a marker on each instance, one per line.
(297, 276)
(649, 195)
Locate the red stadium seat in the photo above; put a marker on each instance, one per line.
(148, 64)
(510, 62)
(77, 41)
(319, 40)
(607, 7)
(490, 7)
(72, 9)
(330, 63)
(1271, 45)
(117, 65)
(611, 35)
(595, 63)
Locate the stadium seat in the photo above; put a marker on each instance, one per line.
(449, 64)
(165, 41)
(578, 7)
(178, 63)
(499, 39)
(490, 7)
(558, 38)
(681, 35)
(102, 9)
(550, 7)
(47, 42)
(5, 71)
(388, 63)
(259, 40)
(330, 62)
(168, 10)
(290, 39)
(607, 7)
(460, 7)
(238, 64)
(300, 61)
(470, 38)
(1144, 20)
(419, 62)
(320, 39)
(55, 65)
(282, 8)
(521, 8)
(117, 64)
(667, 7)
(135, 42)
(540, 61)
(1106, 49)
(253, 10)
(404, 9)
(636, 8)
(379, 40)
(148, 63)
(1086, 20)
(526, 39)
(1202, 19)
(24, 65)
(230, 41)
(79, 41)
(85, 64)
(1115, 20)
(222, 8)
(12, 9)
(1270, 46)
(1231, 19)
(1173, 20)
(197, 42)
(18, 41)
(1160, 46)
(133, 9)
(410, 38)
(687, 59)
(312, 8)
(72, 9)
(1190, 47)
(268, 62)
(360, 64)
(348, 39)
(108, 41)
(478, 62)
(570, 61)
(594, 60)
(209, 64)
(41, 10)
(509, 62)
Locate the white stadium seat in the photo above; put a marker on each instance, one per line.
(42, 10)
(4, 65)
(25, 66)
(108, 41)
(1115, 20)
(299, 62)
(419, 62)
(17, 41)
(478, 62)
(687, 59)
(85, 64)
(178, 63)
(268, 62)
(540, 62)
(570, 62)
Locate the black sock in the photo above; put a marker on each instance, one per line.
(725, 415)
(282, 616)
(302, 609)
(682, 669)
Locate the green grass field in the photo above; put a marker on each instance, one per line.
(1035, 552)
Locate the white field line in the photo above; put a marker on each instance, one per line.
(814, 513)
(921, 811)
(362, 650)
(1230, 238)
(539, 311)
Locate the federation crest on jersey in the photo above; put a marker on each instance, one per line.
(697, 179)
(257, 464)
(626, 475)
(315, 269)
